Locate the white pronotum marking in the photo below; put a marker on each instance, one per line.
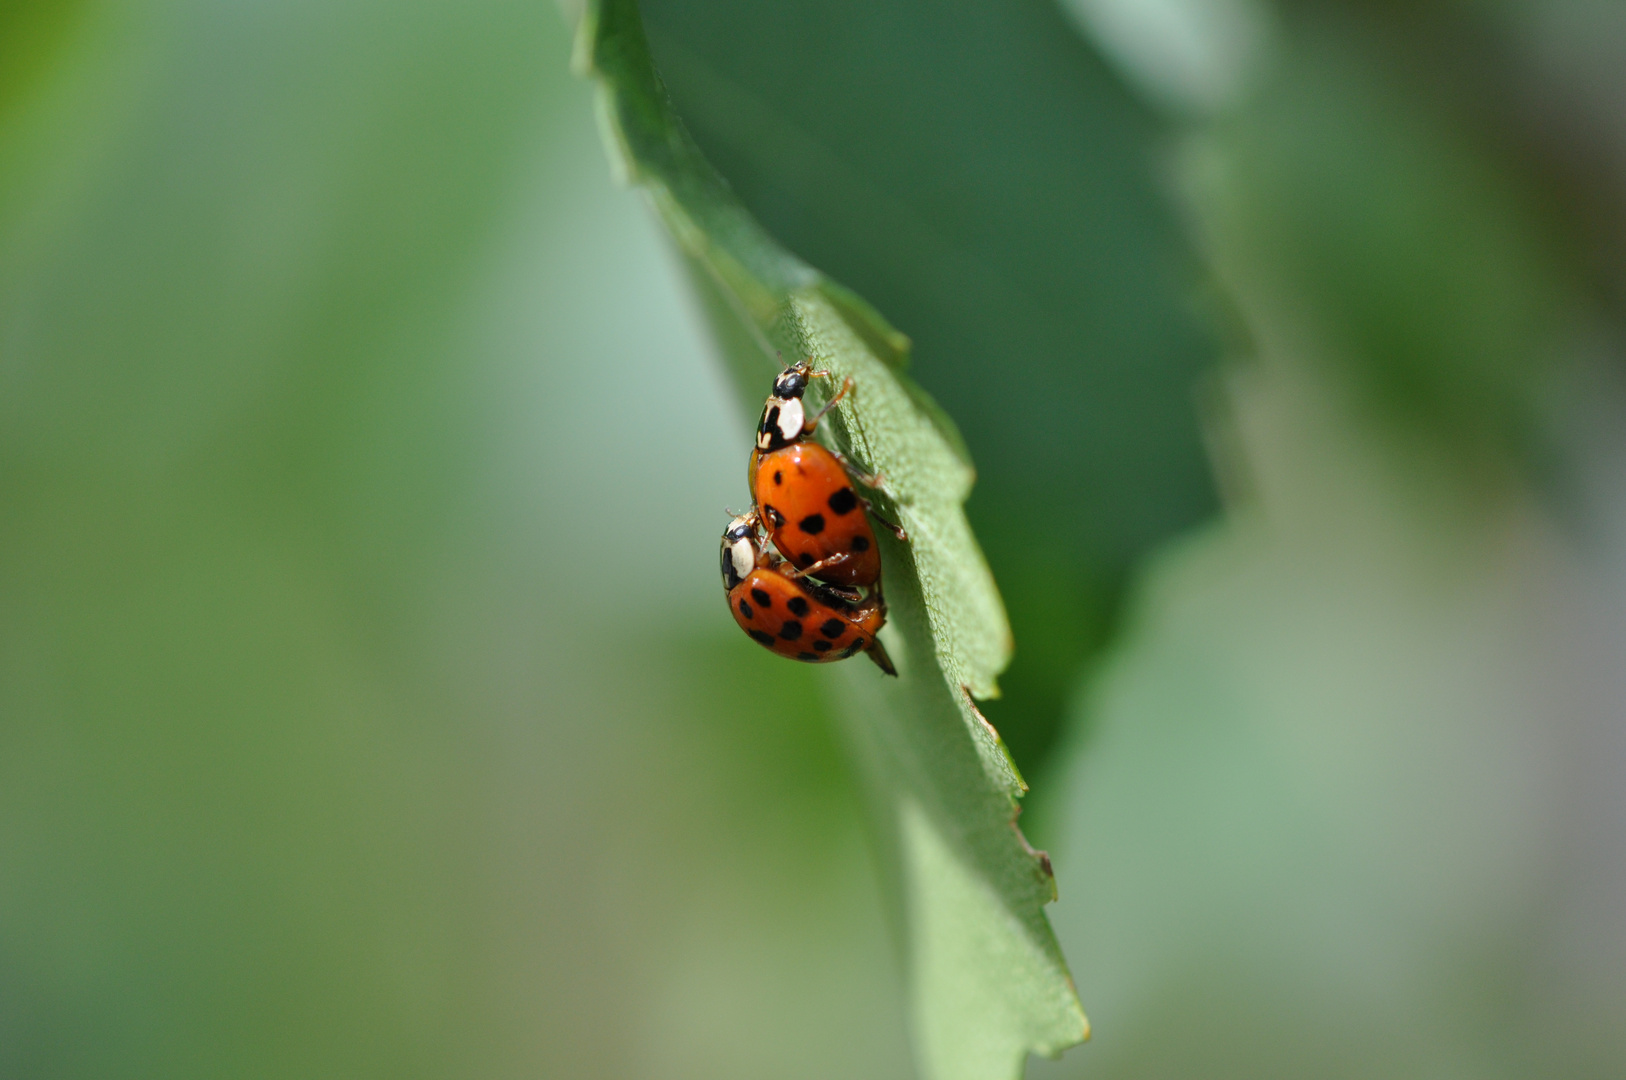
(791, 418)
(745, 557)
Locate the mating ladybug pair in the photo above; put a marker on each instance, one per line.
(803, 498)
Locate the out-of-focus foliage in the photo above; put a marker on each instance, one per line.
(1352, 802)
(987, 981)
(32, 31)
(367, 703)
(974, 171)
(1389, 232)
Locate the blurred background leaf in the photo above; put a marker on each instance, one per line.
(338, 735)
(1350, 804)
(32, 30)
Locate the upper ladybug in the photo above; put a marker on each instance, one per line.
(784, 420)
(804, 491)
(813, 515)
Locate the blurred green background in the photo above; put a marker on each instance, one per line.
(366, 704)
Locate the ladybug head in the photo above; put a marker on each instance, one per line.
(741, 550)
(793, 380)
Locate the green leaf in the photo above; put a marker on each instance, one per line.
(32, 34)
(1351, 208)
(978, 174)
(987, 979)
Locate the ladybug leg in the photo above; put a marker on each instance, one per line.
(892, 527)
(832, 560)
(813, 421)
(874, 481)
(872, 604)
(845, 593)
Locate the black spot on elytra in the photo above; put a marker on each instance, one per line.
(745, 609)
(761, 638)
(762, 598)
(860, 543)
(807, 656)
(843, 501)
(821, 646)
(778, 477)
(797, 605)
(832, 628)
(804, 560)
(774, 516)
(791, 630)
(812, 524)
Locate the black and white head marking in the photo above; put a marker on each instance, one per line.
(739, 550)
(784, 416)
(791, 382)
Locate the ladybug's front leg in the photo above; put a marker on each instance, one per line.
(813, 421)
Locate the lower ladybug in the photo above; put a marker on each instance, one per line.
(814, 517)
(799, 619)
